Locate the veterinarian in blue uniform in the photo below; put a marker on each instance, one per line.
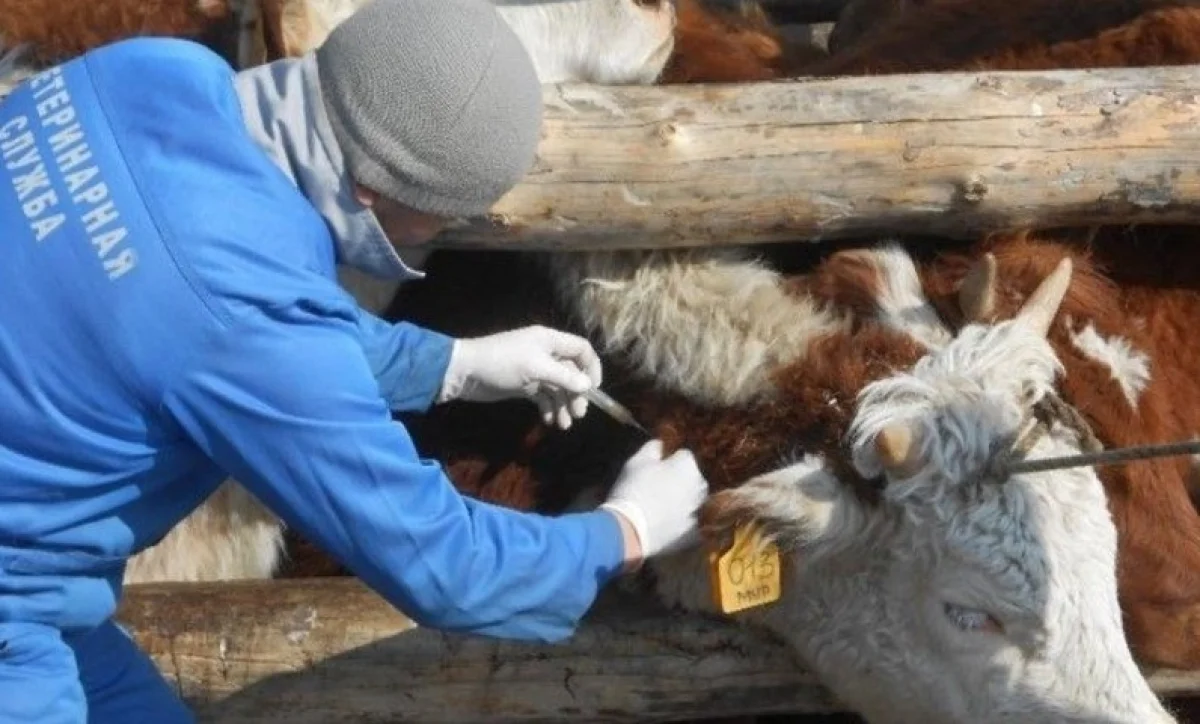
(169, 316)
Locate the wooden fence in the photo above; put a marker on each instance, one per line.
(330, 651)
(953, 154)
(950, 154)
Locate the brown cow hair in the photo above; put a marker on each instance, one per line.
(55, 30)
(731, 46)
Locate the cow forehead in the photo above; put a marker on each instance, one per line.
(960, 401)
(1007, 354)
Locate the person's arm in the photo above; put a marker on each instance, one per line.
(417, 367)
(408, 362)
(293, 412)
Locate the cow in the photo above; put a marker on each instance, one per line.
(1129, 368)
(919, 587)
(925, 582)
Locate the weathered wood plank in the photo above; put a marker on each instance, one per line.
(329, 650)
(954, 154)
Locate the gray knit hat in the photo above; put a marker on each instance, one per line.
(435, 103)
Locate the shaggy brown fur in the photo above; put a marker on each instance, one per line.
(58, 29)
(283, 29)
(721, 46)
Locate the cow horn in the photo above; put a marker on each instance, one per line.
(977, 294)
(1039, 310)
(894, 445)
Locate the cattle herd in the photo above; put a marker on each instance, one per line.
(850, 398)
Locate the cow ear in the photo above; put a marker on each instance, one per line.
(798, 506)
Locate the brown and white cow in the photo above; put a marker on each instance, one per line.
(1021, 35)
(923, 587)
(1129, 369)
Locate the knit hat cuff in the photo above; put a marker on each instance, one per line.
(370, 173)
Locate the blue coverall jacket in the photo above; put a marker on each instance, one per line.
(169, 316)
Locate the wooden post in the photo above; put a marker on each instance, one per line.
(329, 650)
(953, 153)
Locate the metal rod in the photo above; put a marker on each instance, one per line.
(1106, 457)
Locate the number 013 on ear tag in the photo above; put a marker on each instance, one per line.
(747, 574)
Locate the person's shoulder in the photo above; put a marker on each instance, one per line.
(151, 82)
(160, 55)
(260, 260)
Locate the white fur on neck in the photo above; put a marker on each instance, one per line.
(711, 324)
(230, 536)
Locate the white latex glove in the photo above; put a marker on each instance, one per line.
(660, 498)
(552, 368)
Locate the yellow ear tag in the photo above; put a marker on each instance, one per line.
(747, 574)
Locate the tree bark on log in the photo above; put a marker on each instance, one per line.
(329, 650)
(949, 154)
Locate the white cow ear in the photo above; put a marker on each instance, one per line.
(798, 506)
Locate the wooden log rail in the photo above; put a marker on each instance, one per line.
(309, 651)
(952, 154)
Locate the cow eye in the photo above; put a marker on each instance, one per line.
(971, 619)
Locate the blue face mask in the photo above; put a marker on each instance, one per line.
(281, 103)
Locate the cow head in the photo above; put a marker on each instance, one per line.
(953, 592)
(589, 41)
(594, 41)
